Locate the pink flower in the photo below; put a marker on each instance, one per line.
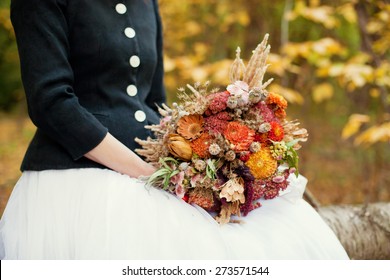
(165, 120)
(189, 172)
(278, 179)
(218, 122)
(267, 114)
(218, 101)
(180, 191)
(195, 179)
(178, 181)
(240, 90)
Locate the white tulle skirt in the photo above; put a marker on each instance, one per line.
(100, 214)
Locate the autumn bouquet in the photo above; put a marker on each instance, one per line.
(224, 150)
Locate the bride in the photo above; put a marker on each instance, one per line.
(92, 73)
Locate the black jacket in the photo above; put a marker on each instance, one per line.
(88, 67)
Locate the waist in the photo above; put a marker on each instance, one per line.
(45, 153)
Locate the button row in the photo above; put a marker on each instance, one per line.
(140, 116)
(120, 8)
(129, 32)
(134, 62)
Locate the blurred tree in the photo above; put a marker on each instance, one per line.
(11, 91)
(351, 56)
(324, 52)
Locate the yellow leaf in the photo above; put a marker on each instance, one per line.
(358, 74)
(242, 18)
(327, 46)
(336, 69)
(321, 14)
(348, 12)
(201, 50)
(374, 93)
(384, 16)
(322, 92)
(374, 27)
(277, 64)
(360, 58)
(169, 64)
(353, 125)
(199, 74)
(219, 72)
(293, 50)
(377, 133)
(193, 28)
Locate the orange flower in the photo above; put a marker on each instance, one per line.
(262, 164)
(277, 99)
(179, 147)
(239, 135)
(278, 103)
(276, 133)
(201, 145)
(202, 197)
(190, 127)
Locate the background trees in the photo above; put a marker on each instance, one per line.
(330, 59)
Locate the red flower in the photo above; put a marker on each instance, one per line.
(276, 133)
(261, 137)
(244, 156)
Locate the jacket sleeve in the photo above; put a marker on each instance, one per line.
(157, 91)
(41, 33)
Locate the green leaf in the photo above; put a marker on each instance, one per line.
(173, 173)
(292, 143)
(159, 174)
(211, 170)
(292, 159)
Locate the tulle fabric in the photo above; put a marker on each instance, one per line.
(100, 214)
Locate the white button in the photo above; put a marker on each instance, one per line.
(132, 90)
(129, 32)
(135, 61)
(140, 116)
(120, 8)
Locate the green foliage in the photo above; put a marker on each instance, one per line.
(211, 168)
(11, 92)
(165, 173)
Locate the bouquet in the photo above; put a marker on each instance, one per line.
(224, 150)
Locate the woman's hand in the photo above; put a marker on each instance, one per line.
(116, 156)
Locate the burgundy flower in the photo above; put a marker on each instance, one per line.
(218, 101)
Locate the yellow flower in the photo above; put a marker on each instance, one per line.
(262, 164)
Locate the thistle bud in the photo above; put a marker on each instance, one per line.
(230, 155)
(200, 165)
(214, 149)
